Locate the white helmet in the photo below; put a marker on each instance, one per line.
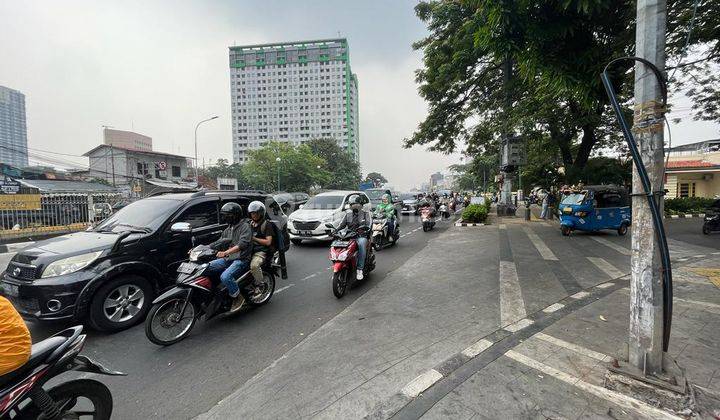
(257, 207)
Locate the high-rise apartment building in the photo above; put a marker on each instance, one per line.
(293, 92)
(13, 128)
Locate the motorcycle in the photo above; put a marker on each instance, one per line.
(711, 222)
(427, 218)
(173, 314)
(380, 235)
(344, 254)
(444, 211)
(22, 395)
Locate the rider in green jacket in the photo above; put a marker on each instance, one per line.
(388, 209)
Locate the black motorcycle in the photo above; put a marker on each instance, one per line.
(711, 221)
(196, 293)
(22, 395)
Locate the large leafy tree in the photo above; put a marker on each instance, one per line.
(299, 168)
(376, 177)
(223, 169)
(556, 49)
(343, 169)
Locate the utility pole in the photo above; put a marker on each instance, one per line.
(112, 159)
(645, 343)
(506, 192)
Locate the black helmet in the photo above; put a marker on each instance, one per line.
(231, 213)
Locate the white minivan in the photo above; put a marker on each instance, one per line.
(308, 222)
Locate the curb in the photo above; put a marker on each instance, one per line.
(470, 224)
(685, 216)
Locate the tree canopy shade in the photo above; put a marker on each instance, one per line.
(557, 48)
(343, 169)
(374, 176)
(298, 168)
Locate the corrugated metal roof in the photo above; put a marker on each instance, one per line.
(690, 164)
(47, 185)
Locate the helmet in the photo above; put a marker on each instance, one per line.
(231, 213)
(257, 207)
(354, 202)
(386, 197)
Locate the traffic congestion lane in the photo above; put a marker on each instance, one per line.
(690, 230)
(189, 377)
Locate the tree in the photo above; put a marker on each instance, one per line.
(223, 169)
(557, 49)
(376, 178)
(299, 168)
(344, 170)
(476, 174)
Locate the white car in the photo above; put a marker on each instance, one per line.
(308, 222)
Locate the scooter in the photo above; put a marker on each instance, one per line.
(196, 293)
(343, 255)
(711, 222)
(444, 211)
(380, 235)
(427, 218)
(22, 395)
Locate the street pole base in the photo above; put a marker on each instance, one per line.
(668, 391)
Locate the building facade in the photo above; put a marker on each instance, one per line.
(693, 170)
(132, 170)
(127, 140)
(293, 92)
(13, 128)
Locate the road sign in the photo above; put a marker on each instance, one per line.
(9, 186)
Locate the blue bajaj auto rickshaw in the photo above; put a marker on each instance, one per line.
(595, 208)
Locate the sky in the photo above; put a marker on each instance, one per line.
(158, 67)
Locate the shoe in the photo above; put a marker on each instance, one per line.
(359, 275)
(237, 304)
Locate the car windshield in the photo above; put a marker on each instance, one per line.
(575, 198)
(324, 202)
(407, 196)
(142, 214)
(375, 194)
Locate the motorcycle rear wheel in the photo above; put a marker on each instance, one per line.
(263, 298)
(158, 321)
(340, 283)
(71, 396)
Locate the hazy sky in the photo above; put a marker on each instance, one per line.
(158, 67)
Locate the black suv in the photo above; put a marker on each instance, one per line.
(110, 275)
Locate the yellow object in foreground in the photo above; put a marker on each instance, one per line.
(712, 274)
(15, 342)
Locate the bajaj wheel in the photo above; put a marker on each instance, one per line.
(622, 230)
(165, 325)
(706, 229)
(340, 283)
(266, 291)
(565, 230)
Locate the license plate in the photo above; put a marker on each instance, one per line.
(186, 268)
(10, 289)
(305, 233)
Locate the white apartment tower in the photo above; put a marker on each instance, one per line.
(293, 92)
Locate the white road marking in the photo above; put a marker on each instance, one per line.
(716, 253)
(523, 323)
(512, 306)
(421, 383)
(606, 394)
(543, 249)
(682, 259)
(308, 277)
(284, 288)
(502, 226)
(580, 295)
(700, 256)
(574, 347)
(477, 348)
(605, 285)
(606, 267)
(698, 303)
(619, 248)
(553, 308)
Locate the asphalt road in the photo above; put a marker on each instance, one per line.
(189, 377)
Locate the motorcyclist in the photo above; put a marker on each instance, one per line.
(235, 260)
(358, 220)
(262, 240)
(387, 209)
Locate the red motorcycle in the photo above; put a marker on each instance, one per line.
(344, 254)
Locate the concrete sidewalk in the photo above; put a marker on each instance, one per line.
(433, 340)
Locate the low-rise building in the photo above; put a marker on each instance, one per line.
(127, 139)
(693, 170)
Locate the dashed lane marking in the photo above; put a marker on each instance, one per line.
(512, 305)
(523, 323)
(614, 397)
(580, 295)
(606, 267)
(477, 348)
(553, 308)
(502, 226)
(543, 249)
(284, 288)
(421, 383)
(619, 248)
(605, 285)
(574, 347)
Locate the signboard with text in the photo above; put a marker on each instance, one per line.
(20, 202)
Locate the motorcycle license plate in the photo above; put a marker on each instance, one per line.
(341, 244)
(186, 268)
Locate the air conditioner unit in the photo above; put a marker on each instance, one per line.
(707, 177)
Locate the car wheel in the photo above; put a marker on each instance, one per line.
(565, 230)
(121, 303)
(296, 241)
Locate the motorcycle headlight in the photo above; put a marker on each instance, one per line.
(70, 264)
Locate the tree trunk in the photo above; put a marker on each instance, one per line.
(586, 145)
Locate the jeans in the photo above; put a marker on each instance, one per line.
(362, 251)
(544, 212)
(229, 271)
(391, 227)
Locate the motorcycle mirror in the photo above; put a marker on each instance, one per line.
(329, 226)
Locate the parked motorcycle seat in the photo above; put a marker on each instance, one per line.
(38, 355)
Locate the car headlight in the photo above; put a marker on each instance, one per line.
(290, 224)
(70, 264)
(328, 219)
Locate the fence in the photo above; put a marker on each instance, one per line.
(24, 215)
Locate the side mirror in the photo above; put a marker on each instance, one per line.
(347, 206)
(301, 206)
(181, 227)
(329, 226)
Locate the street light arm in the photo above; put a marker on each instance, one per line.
(196, 154)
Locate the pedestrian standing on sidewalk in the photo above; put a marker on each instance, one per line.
(545, 202)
